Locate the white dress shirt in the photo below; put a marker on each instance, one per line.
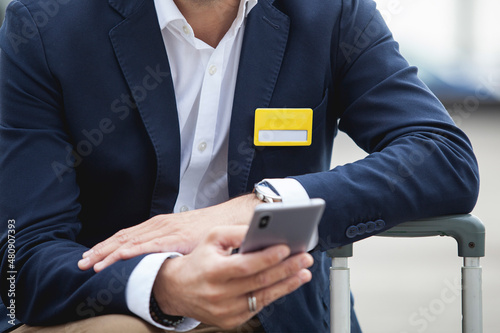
(204, 81)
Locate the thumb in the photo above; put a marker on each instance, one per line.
(227, 237)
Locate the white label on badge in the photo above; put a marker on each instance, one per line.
(282, 135)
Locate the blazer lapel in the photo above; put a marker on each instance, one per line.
(140, 50)
(266, 35)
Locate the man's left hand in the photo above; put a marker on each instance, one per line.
(179, 232)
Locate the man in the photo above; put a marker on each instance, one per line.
(116, 114)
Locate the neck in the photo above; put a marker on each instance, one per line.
(210, 19)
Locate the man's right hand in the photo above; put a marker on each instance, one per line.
(213, 286)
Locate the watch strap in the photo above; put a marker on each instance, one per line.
(160, 317)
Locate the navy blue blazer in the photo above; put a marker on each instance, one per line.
(89, 140)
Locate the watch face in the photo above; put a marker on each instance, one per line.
(265, 192)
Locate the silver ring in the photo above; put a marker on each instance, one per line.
(252, 303)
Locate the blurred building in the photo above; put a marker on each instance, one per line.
(3, 5)
(454, 43)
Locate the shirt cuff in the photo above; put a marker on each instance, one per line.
(290, 190)
(140, 286)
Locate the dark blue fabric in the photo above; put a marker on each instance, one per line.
(355, 327)
(89, 139)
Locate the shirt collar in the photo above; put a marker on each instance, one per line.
(249, 4)
(168, 12)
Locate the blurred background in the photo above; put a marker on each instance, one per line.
(399, 284)
(3, 4)
(413, 285)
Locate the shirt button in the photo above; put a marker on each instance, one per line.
(184, 209)
(202, 146)
(186, 30)
(212, 69)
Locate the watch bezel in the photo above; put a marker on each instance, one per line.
(266, 192)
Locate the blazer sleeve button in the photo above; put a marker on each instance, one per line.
(352, 231)
(361, 228)
(370, 227)
(379, 224)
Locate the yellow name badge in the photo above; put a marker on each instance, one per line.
(283, 127)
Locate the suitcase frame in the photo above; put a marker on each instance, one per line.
(468, 231)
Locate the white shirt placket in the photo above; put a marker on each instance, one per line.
(202, 149)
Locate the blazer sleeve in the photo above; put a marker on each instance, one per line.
(419, 164)
(41, 206)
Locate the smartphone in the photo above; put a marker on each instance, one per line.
(293, 224)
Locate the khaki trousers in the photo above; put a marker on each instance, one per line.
(127, 324)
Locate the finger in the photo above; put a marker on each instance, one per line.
(148, 242)
(272, 275)
(235, 311)
(132, 234)
(222, 237)
(170, 243)
(266, 296)
(225, 237)
(124, 238)
(109, 260)
(104, 248)
(248, 264)
(101, 248)
(100, 252)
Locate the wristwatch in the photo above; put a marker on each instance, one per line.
(266, 192)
